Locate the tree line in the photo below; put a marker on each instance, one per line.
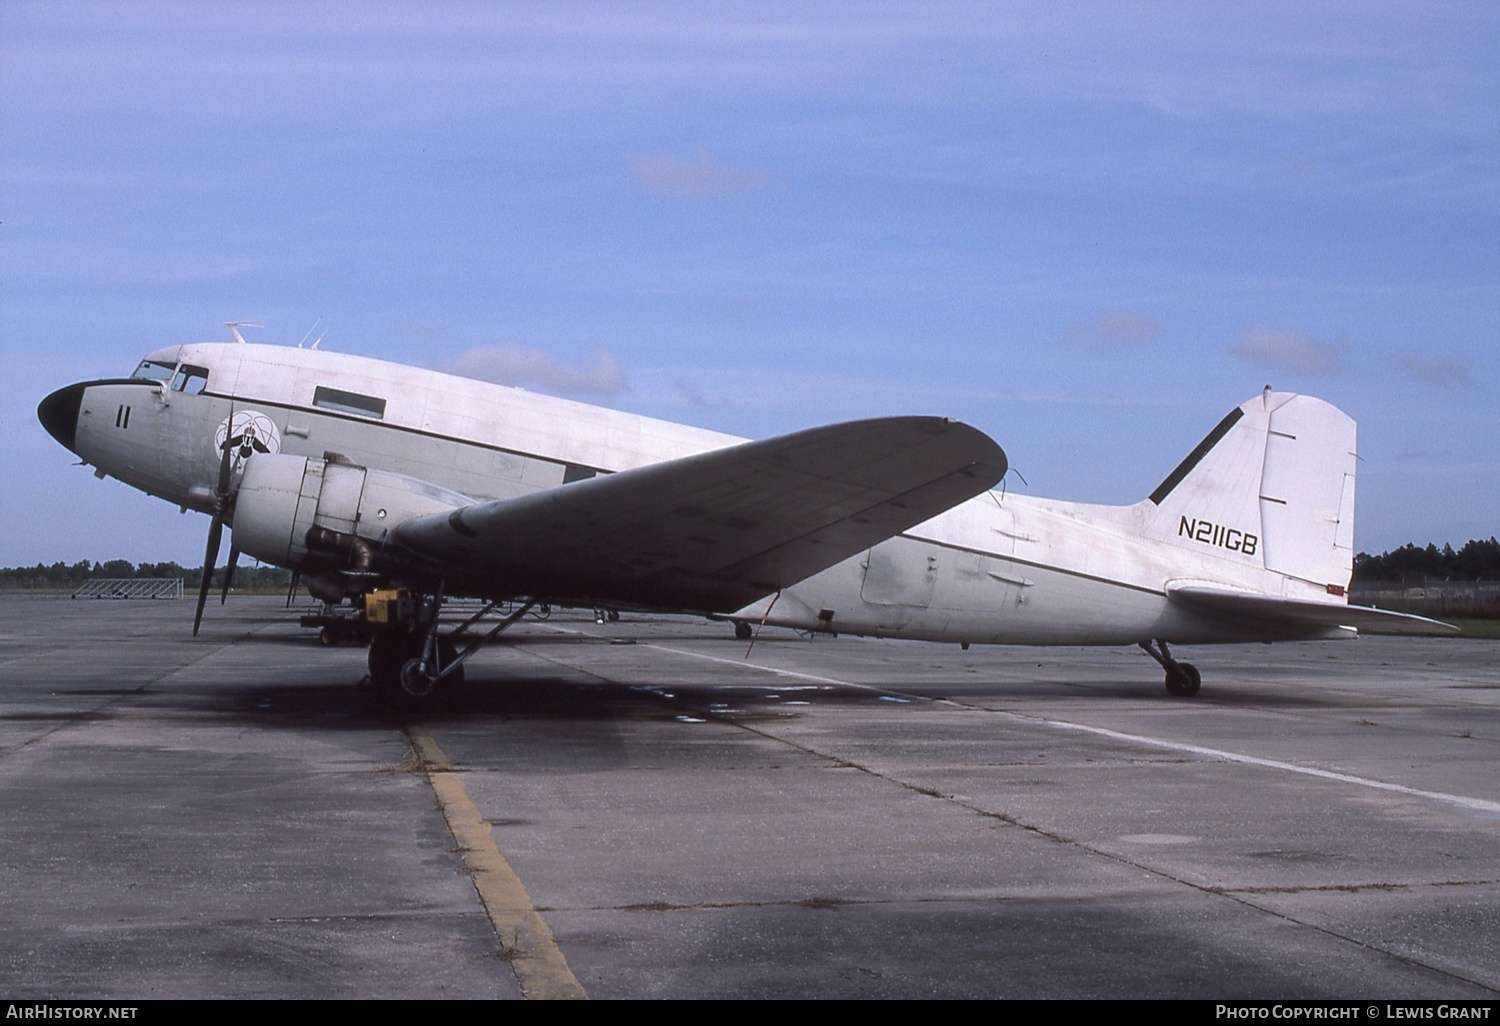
(1476, 561)
(71, 576)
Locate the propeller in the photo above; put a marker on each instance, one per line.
(234, 560)
(216, 529)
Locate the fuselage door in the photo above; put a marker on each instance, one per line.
(900, 572)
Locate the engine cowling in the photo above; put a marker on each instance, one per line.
(308, 513)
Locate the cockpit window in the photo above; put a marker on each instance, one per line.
(190, 380)
(154, 370)
(338, 400)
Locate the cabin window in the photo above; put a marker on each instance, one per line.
(349, 402)
(154, 370)
(190, 380)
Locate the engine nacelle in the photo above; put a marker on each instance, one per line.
(302, 512)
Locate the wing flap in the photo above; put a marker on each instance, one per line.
(717, 530)
(1232, 602)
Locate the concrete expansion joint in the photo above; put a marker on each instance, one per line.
(1410, 885)
(1387, 952)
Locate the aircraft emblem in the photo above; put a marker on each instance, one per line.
(247, 432)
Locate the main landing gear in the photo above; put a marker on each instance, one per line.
(1183, 679)
(411, 665)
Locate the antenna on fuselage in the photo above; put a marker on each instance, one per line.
(309, 332)
(235, 326)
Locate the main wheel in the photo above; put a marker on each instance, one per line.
(396, 671)
(417, 685)
(1183, 680)
(388, 654)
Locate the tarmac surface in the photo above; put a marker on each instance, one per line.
(638, 810)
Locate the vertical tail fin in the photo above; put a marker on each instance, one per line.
(1272, 486)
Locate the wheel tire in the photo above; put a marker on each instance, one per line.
(1183, 680)
(393, 659)
(417, 687)
(743, 630)
(388, 653)
(327, 637)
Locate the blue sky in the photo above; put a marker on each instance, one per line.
(1088, 229)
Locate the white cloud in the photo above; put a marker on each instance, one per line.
(1113, 331)
(1442, 372)
(1288, 351)
(693, 395)
(700, 178)
(513, 365)
(424, 332)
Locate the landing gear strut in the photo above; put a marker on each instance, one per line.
(408, 659)
(411, 665)
(1183, 679)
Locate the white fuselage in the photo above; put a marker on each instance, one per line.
(999, 568)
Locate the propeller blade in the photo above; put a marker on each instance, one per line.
(292, 591)
(226, 466)
(210, 557)
(215, 528)
(234, 558)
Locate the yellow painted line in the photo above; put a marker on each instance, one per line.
(524, 935)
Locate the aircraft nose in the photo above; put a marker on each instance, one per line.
(59, 414)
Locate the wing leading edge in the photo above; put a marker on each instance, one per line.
(1273, 608)
(715, 531)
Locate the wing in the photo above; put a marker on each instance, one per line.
(1273, 608)
(715, 531)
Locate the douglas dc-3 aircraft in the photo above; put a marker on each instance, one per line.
(363, 475)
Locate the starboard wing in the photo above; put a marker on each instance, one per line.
(715, 531)
(1232, 602)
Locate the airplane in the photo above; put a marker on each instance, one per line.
(401, 488)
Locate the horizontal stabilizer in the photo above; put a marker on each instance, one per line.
(1273, 608)
(715, 531)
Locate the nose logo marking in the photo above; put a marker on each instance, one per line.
(248, 432)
